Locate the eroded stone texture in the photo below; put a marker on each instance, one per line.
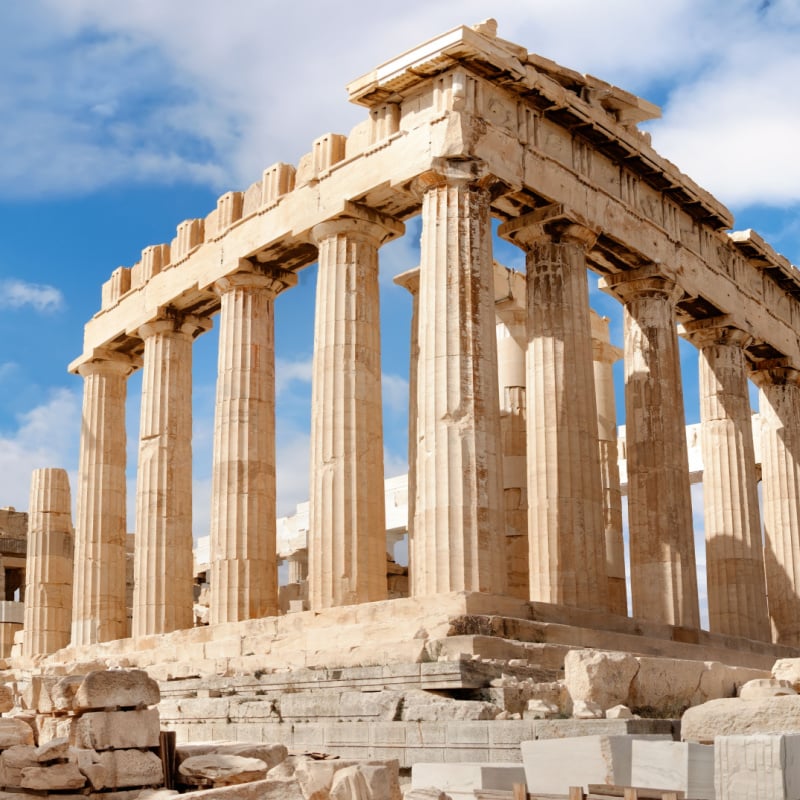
(347, 548)
(111, 730)
(779, 404)
(244, 577)
(732, 716)
(663, 567)
(757, 767)
(48, 592)
(102, 689)
(458, 521)
(98, 602)
(162, 595)
(566, 537)
(737, 600)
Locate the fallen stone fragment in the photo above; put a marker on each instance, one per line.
(119, 769)
(730, 716)
(270, 754)
(583, 709)
(55, 749)
(53, 777)
(221, 770)
(619, 712)
(6, 698)
(599, 677)
(13, 760)
(118, 688)
(116, 730)
(765, 687)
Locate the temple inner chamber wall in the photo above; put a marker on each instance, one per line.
(512, 437)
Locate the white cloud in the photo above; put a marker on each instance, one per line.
(395, 392)
(16, 293)
(287, 372)
(46, 436)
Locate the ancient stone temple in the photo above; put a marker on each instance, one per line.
(515, 516)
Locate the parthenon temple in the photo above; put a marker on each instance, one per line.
(513, 489)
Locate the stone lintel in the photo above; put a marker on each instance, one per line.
(554, 222)
(169, 318)
(774, 372)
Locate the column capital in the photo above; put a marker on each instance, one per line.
(470, 172)
(553, 223)
(253, 275)
(172, 321)
(775, 372)
(715, 331)
(409, 280)
(359, 221)
(645, 281)
(109, 362)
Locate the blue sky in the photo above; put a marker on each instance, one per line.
(122, 120)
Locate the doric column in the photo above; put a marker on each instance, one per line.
(99, 608)
(511, 346)
(410, 280)
(737, 602)
(663, 567)
(347, 525)
(244, 576)
(297, 564)
(779, 405)
(48, 595)
(605, 355)
(162, 595)
(458, 521)
(565, 519)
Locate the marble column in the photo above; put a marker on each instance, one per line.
(297, 564)
(663, 567)
(99, 607)
(458, 521)
(163, 594)
(779, 406)
(409, 280)
(48, 595)
(347, 524)
(566, 536)
(737, 601)
(244, 569)
(511, 346)
(605, 355)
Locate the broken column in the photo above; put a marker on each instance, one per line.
(410, 281)
(511, 347)
(604, 356)
(737, 599)
(163, 579)
(48, 593)
(347, 539)
(566, 535)
(779, 404)
(244, 573)
(663, 570)
(99, 603)
(458, 520)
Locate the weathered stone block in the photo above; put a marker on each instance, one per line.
(733, 716)
(109, 730)
(14, 731)
(765, 687)
(760, 766)
(6, 698)
(467, 777)
(679, 766)
(117, 769)
(270, 754)
(104, 689)
(13, 760)
(602, 678)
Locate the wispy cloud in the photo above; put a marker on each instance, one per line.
(17, 294)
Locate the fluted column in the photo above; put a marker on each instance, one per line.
(566, 536)
(244, 571)
(99, 608)
(347, 524)
(511, 346)
(663, 567)
(458, 521)
(737, 602)
(48, 592)
(162, 595)
(779, 405)
(410, 281)
(605, 355)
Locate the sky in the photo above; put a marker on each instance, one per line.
(120, 120)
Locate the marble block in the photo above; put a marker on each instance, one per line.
(679, 766)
